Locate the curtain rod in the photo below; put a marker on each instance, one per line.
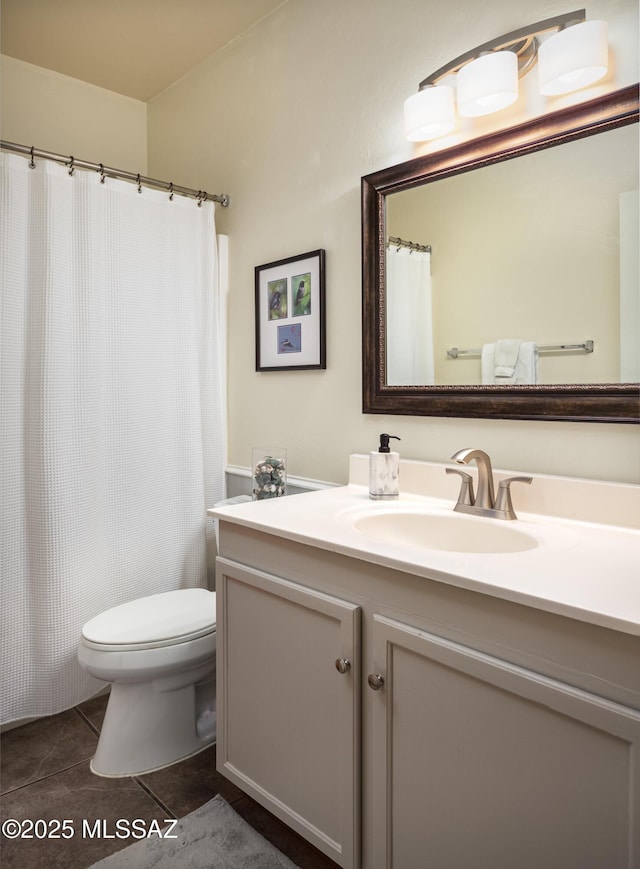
(412, 245)
(108, 172)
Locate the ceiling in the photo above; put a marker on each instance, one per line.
(132, 47)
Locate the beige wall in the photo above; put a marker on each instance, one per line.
(286, 120)
(61, 114)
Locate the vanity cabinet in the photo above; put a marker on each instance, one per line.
(481, 763)
(288, 716)
(466, 731)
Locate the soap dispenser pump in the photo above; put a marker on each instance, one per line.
(384, 468)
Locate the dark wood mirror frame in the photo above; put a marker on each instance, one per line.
(603, 402)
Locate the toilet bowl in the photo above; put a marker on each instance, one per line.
(159, 654)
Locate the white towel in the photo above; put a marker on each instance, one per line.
(499, 366)
(527, 364)
(505, 359)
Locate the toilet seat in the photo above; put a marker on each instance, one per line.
(152, 622)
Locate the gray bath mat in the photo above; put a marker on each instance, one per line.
(212, 837)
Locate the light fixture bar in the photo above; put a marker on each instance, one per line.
(521, 41)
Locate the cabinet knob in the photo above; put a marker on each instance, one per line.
(376, 681)
(343, 665)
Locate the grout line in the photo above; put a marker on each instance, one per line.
(156, 799)
(36, 781)
(232, 800)
(86, 720)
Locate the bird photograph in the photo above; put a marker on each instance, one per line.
(302, 294)
(290, 338)
(277, 299)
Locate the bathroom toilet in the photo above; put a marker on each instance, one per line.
(159, 654)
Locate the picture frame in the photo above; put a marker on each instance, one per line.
(290, 313)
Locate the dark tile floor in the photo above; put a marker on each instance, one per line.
(45, 775)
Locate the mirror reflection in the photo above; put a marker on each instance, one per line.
(520, 272)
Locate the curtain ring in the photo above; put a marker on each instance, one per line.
(32, 162)
(71, 166)
(201, 197)
(171, 191)
(102, 175)
(139, 183)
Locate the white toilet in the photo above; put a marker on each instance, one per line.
(159, 654)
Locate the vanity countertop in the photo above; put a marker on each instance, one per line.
(587, 570)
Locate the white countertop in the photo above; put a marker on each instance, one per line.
(585, 570)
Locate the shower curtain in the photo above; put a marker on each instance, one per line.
(409, 346)
(111, 412)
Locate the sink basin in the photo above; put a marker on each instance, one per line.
(451, 532)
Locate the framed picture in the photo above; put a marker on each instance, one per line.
(290, 313)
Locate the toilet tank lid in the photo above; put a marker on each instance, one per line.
(186, 613)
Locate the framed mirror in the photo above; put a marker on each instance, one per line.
(531, 240)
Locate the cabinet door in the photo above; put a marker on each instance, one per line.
(288, 719)
(481, 763)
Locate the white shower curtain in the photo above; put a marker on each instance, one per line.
(111, 412)
(409, 344)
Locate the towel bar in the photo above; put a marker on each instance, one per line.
(586, 346)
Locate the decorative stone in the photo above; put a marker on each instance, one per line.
(269, 477)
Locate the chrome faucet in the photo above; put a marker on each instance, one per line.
(485, 503)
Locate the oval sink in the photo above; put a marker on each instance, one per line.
(450, 532)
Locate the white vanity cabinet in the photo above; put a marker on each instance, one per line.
(467, 731)
(288, 715)
(480, 763)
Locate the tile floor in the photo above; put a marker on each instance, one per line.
(45, 774)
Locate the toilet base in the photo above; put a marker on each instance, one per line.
(152, 725)
(153, 769)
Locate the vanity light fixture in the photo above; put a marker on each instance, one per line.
(575, 56)
(487, 84)
(429, 114)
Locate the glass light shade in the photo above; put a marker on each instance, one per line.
(487, 84)
(573, 58)
(429, 113)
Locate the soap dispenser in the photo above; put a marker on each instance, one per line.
(384, 468)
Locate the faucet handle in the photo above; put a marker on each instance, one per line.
(466, 496)
(504, 504)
